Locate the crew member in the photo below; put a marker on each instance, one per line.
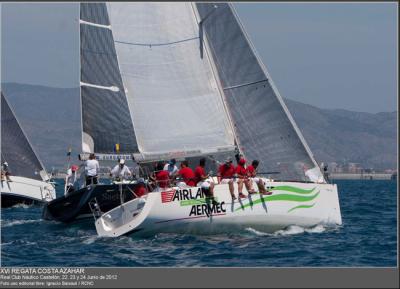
(5, 172)
(252, 173)
(203, 180)
(161, 177)
(241, 173)
(187, 175)
(70, 180)
(120, 172)
(140, 189)
(92, 169)
(226, 173)
(171, 168)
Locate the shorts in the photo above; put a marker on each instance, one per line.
(226, 181)
(204, 184)
(91, 180)
(182, 184)
(258, 180)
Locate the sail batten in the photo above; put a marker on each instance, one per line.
(94, 24)
(174, 98)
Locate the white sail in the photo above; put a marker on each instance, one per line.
(174, 98)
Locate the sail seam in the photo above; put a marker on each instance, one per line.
(245, 84)
(156, 44)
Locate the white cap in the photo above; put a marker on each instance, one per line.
(121, 161)
(5, 163)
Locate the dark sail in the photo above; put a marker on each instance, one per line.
(263, 125)
(15, 148)
(105, 113)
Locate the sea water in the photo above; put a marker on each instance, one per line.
(368, 237)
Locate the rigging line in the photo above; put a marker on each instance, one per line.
(245, 84)
(156, 44)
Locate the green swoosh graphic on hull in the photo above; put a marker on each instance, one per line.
(301, 207)
(280, 197)
(292, 189)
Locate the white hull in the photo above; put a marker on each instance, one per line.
(185, 210)
(26, 188)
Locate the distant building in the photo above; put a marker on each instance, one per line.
(354, 168)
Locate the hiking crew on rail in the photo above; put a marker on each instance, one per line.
(167, 175)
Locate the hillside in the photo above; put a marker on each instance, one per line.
(332, 134)
(339, 135)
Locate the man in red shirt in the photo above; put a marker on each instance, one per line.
(187, 174)
(241, 172)
(252, 174)
(140, 188)
(203, 181)
(161, 177)
(226, 173)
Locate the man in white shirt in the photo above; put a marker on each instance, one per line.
(121, 171)
(92, 169)
(171, 167)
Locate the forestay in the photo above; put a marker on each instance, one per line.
(106, 119)
(263, 125)
(175, 102)
(15, 148)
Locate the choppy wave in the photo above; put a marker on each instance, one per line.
(18, 222)
(291, 230)
(90, 240)
(23, 206)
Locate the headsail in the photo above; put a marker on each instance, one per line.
(106, 119)
(15, 147)
(175, 101)
(263, 125)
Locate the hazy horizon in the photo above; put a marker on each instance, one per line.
(74, 88)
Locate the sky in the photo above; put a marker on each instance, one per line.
(330, 55)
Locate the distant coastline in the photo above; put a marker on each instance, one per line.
(361, 176)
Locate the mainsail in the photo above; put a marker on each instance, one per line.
(15, 147)
(264, 127)
(175, 101)
(106, 119)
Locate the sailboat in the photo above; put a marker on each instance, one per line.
(196, 87)
(106, 124)
(28, 182)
